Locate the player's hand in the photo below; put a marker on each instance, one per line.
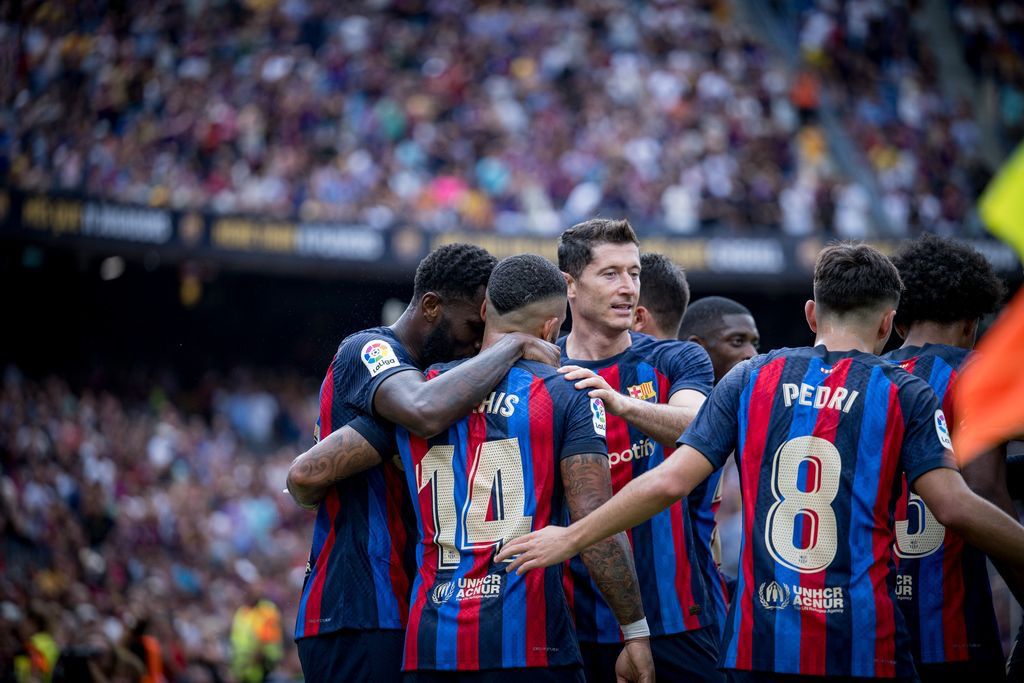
(541, 351)
(598, 386)
(635, 663)
(542, 548)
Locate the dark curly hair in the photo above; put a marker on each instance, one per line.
(849, 277)
(946, 281)
(454, 271)
(663, 290)
(523, 279)
(705, 316)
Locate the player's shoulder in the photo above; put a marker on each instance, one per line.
(377, 348)
(441, 368)
(952, 356)
(664, 350)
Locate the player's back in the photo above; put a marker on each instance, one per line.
(820, 438)
(492, 477)
(942, 583)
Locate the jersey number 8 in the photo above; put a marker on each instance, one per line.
(800, 531)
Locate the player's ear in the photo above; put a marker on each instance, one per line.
(641, 319)
(901, 330)
(570, 283)
(550, 329)
(885, 326)
(430, 304)
(811, 313)
(483, 309)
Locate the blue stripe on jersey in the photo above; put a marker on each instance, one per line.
(931, 569)
(320, 532)
(447, 614)
(787, 621)
(513, 616)
(661, 535)
(865, 492)
(379, 545)
(731, 635)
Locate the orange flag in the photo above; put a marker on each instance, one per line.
(990, 390)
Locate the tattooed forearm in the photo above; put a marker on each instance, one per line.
(338, 456)
(588, 484)
(428, 408)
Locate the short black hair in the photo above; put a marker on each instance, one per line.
(454, 271)
(575, 246)
(704, 316)
(946, 281)
(523, 279)
(850, 277)
(663, 290)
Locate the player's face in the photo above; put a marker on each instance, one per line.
(607, 290)
(458, 332)
(735, 342)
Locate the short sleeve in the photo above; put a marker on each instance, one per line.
(378, 433)
(363, 362)
(714, 431)
(585, 426)
(689, 367)
(926, 441)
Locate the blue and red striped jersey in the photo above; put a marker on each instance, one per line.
(821, 439)
(492, 477)
(361, 562)
(942, 584)
(665, 550)
(705, 501)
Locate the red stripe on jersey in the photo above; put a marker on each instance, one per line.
(663, 397)
(881, 544)
(954, 624)
(468, 620)
(617, 436)
(418, 450)
(394, 485)
(316, 593)
(759, 413)
(543, 465)
(326, 402)
(684, 587)
(813, 625)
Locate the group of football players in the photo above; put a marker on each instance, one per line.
(496, 502)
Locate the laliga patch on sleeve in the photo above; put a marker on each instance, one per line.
(942, 429)
(598, 416)
(378, 356)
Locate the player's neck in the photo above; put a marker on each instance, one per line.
(590, 342)
(839, 340)
(922, 333)
(409, 334)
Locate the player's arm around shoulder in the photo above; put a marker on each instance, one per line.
(426, 408)
(340, 455)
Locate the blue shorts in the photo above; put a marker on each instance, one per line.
(688, 656)
(373, 656)
(768, 677)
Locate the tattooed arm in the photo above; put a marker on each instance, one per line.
(427, 408)
(341, 454)
(588, 484)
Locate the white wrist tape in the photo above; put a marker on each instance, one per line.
(638, 629)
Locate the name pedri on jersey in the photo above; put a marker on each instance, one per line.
(942, 584)
(361, 562)
(665, 547)
(821, 440)
(492, 477)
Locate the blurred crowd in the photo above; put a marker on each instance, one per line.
(923, 146)
(141, 531)
(514, 117)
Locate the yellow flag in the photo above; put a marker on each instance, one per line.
(1002, 204)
